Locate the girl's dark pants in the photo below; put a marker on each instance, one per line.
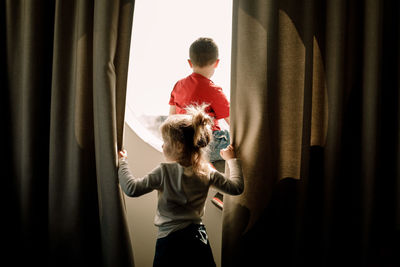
(185, 247)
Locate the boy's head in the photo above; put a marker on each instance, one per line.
(203, 52)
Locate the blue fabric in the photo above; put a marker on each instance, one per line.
(221, 140)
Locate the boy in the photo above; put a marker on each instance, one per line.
(198, 89)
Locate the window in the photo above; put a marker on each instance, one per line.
(161, 35)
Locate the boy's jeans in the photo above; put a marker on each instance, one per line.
(220, 141)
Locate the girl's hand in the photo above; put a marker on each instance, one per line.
(122, 154)
(228, 153)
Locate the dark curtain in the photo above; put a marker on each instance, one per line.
(63, 80)
(315, 106)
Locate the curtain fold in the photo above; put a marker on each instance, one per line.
(64, 92)
(108, 98)
(315, 115)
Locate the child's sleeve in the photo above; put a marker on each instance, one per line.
(233, 183)
(220, 104)
(135, 187)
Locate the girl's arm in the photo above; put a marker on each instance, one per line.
(133, 186)
(232, 184)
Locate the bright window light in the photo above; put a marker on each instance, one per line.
(161, 35)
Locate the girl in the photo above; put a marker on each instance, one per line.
(182, 184)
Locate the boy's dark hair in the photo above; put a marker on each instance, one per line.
(203, 52)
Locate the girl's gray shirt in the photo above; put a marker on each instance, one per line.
(181, 194)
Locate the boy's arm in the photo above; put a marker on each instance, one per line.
(227, 120)
(219, 103)
(172, 109)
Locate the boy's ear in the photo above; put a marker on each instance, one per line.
(190, 63)
(216, 63)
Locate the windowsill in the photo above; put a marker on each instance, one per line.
(147, 127)
(147, 134)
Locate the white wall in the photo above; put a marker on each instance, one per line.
(140, 211)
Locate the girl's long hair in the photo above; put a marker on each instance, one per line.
(189, 135)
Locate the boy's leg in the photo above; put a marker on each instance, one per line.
(221, 140)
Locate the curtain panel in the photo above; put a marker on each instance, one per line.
(315, 116)
(63, 98)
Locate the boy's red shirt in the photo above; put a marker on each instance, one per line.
(197, 89)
